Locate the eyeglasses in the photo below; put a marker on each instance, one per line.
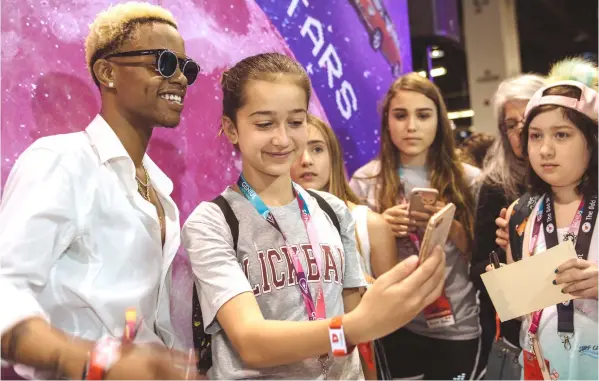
(166, 63)
(510, 125)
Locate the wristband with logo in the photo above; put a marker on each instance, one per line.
(105, 354)
(339, 346)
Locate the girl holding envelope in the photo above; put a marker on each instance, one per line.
(560, 140)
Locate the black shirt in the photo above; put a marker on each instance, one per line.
(491, 200)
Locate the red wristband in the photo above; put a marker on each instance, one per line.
(339, 346)
(105, 354)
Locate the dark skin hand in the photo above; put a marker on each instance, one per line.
(65, 356)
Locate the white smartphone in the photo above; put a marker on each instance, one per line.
(437, 230)
(419, 197)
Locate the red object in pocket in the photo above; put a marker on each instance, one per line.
(532, 371)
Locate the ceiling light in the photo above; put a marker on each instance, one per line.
(437, 54)
(460, 114)
(435, 72)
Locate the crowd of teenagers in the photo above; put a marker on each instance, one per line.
(294, 265)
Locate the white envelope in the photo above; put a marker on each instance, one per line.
(527, 285)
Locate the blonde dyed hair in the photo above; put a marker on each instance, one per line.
(112, 27)
(337, 184)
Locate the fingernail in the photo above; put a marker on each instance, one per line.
(554, 281)
(563, 292)
(556, 271)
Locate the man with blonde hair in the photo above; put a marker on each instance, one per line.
(88, 229)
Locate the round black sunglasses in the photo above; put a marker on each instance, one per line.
(166, 63)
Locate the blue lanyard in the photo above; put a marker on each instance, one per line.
(316, 311)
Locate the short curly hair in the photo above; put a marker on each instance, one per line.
(115, 25)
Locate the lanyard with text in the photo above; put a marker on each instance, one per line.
(316, 311)
(580, 231)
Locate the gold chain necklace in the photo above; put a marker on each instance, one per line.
(141, 185)
(146, 194)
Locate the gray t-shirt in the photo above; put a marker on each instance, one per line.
(261, 265)
(458, 288)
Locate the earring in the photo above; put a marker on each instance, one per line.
(110, 84)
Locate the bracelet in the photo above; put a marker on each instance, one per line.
(337, 338)
(105, 354)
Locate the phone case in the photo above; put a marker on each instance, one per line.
(437, 230)
(421, 197)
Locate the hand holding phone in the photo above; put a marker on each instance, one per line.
(398, 219)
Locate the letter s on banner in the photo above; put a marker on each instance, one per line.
(346, 93)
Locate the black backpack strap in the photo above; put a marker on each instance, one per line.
(230, 217)
(327, 209)
(518, 220)
(201, 340)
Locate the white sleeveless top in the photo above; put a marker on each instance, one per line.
(580, 362)
(360, 215)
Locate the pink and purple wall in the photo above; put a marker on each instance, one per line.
(352, 50)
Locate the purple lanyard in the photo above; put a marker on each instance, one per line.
(316, 311)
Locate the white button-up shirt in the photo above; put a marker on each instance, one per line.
(78, 243)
